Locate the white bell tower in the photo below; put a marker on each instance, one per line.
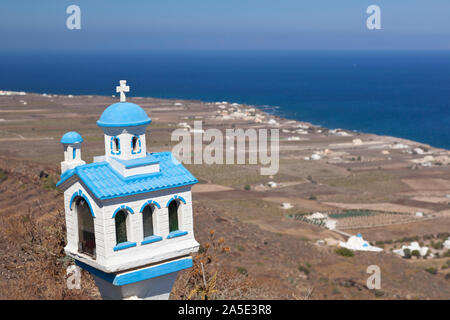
(124, 125)
(72, 151)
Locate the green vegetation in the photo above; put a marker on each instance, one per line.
(431, 270)
(247, 187)
(3, 175)
(242, 270)
(335, 291)
(407, 253)
(303, 269)
(378, 293)
(443, 235)
(49, 182)
(415, 253)
(437, 245)
(201, 249)
(344, 252)
(351, 214)
(297, 216)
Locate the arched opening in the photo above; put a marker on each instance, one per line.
(134, 144)
(173, 216)
(86, 231)
(115, 145)
(121, 226)
(147, 220)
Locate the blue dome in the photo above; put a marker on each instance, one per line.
(71, 137)
(123, 114)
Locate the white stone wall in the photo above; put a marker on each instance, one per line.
(161, 226)
(125, 135)
(109, 260)
(69, 162)
(72, 222)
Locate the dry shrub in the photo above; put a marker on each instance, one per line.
(208, 280)
(33, 266)
(35, 261)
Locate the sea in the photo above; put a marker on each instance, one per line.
(398, 93)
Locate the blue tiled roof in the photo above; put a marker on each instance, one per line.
(106, 183)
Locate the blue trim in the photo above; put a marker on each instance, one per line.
(149, 202)
(151, 239)
(79, 193)
(138, 275)
(74, 153)
(111, 145)
(175, 234)
(128, 124)
(124, 245)
(123, 207)
(174, 198)
(76, 194)
(152, 272)
(109, 277)
(139, 141)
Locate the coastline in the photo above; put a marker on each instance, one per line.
(260, 108)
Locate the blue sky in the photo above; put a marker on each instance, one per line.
(225, 25)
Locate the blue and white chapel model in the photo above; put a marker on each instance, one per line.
(129, 213)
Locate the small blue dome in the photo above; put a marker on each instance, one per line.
(123, 114)
(71, 137)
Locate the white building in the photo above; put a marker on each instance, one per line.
(359, 244)
(129, 213)
(414, 246)
(446, 243)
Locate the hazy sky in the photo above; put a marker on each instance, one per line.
(224, 25)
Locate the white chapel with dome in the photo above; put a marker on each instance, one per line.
(128, 213)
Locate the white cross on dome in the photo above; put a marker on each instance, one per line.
(122, 89)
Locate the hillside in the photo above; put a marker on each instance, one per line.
(270, 254)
